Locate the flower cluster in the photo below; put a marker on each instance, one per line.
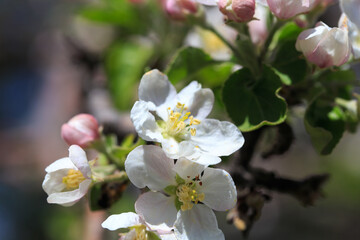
(183, 189)
(323, 46)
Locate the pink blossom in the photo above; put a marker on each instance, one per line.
(238, 10)
(80, 130)
(285, 9)
(324, 46)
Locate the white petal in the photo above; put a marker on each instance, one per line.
(53, 181)
(190, 151)
(187, 93)
(156, 208)
(170, 236)
(70, 198)
(351, 8)
(198, 223)
(198, 101)
(218, 138)
(170, 147)
(160, 228)
(207, 2)
(149, 166)
(123, 220)
(201, 104)
(63, 163)
(78, 157)
(144, 122)
(188, 169)
(156, 88)
(219, 189)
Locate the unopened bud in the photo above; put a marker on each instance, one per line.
(285, 9)
(179, 9)
(324, 46)
(238, 10)
(80, 130)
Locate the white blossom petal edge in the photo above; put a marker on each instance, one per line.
(185, 187)
(68, 179)
(139, 228)
(178, 121)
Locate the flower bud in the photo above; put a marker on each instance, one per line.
(257, 27)
(285, 9)
(80, 130)
(238, 10)
(324, 46)
(179, 9)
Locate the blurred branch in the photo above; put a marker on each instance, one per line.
(306, 191)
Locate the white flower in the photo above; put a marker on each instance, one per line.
(324, 46)
(139, 229)
(351, 8)
(68, 179)
(207, 2)
(192, 190)
(285, 9)
(177, 121)
(354, 34)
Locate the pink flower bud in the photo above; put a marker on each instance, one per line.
(179, 9)
(238, 10)
(80, 130)
(285, 9)
(324, 46)
(257, 27)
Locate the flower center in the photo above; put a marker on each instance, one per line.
(175, 126)
(73, 179)
(141, 233)
(188, 195)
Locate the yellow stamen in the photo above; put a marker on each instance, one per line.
(188, 195)
(176, 125)
(73, 179)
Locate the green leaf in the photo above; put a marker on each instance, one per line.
(171, 189)
(125, 63)
(288, 62)
(214, 75)
(252, 103)
(128, 141)
(325, 123)
(152, 236)
(114, 12)
(178, 204)
(187, 62)
(179, 180)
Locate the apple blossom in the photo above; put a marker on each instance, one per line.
(354, 34)
(80, 130)
(285, 9)
(257, 27)
(324, 46)
(181, 125)
(192, 190)
(67, 180)
(237, 10)
(179, 9)
(138, 228)
(352, 9)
